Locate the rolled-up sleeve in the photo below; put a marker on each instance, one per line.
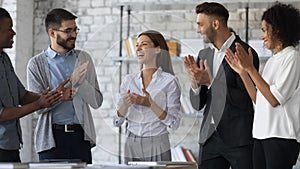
(285, 85)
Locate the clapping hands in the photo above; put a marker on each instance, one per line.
(198, 75)
(67, 93)
(79, 74)
(133, 98)
(240, 61)
(49, 98)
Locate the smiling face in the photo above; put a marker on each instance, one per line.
(146, 51)
(269, 38)
(6, 33)
(64, 37)
(205, 28)
(266, 36)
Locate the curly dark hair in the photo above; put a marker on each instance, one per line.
(285, 22)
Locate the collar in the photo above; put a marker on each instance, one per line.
(2, 53)
(157, 73)
(284, 51)
(52, 53)
(226, 45)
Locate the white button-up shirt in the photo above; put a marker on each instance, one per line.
(220, 54)
(165, 91)
(218, 58)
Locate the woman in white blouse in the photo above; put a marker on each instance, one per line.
(149, 101)
(276, 93)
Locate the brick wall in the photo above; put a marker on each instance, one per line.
(10, 6)
(98, 21)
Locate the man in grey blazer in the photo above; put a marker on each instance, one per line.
(226, 129)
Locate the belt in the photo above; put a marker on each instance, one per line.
(67, 127)
(130, 134)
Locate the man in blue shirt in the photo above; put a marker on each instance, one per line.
(15, 100)
(65, 131)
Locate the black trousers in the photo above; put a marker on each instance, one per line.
(9, 156)
(275, 153)
(217, 155)
(70, 146)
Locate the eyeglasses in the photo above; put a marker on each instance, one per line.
(68, 31)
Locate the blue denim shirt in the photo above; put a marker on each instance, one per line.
(11, 92)
(61, 68)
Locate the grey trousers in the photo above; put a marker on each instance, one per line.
(154, 148)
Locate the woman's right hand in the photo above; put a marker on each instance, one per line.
(233, 61)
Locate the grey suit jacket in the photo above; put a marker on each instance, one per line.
(226, 102)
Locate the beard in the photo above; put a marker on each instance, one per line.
(209, 36)
(64, 42)
(206, 39)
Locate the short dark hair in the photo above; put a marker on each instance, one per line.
(4, 13)
(56, 16)
(285, 22)
(213, 9)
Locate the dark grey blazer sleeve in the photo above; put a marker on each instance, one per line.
(198, 101)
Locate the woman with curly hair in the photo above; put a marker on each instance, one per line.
(276, 93)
